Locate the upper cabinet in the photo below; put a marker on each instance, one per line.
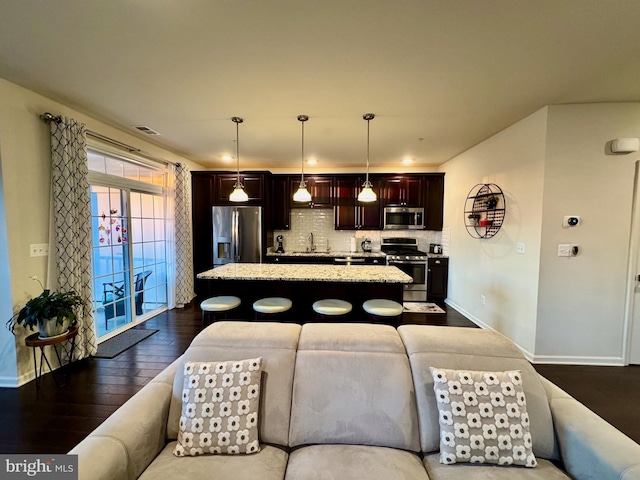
(403, 191)
(433, 186)
(254, 186)
(319, 186)
(341, 192)
(281, 200)
(351, 214)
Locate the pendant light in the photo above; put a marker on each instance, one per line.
(238, 194)
(302, 195)
(367, 194)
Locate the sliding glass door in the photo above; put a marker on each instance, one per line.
(111, 260)
(129, 262)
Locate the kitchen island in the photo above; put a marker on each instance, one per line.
(304, 284)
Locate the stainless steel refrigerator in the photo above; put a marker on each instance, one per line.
(237, 235)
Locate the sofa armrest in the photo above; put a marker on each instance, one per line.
(590, 447)
(101, 458)
(128, 441)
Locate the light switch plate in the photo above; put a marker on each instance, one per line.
(520, 247)
(39, 249)
(564, 250)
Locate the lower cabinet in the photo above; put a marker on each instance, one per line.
(437, 278)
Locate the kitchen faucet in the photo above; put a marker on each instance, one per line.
(312, 246)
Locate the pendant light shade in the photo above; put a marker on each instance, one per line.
(302, 195)
(238, 194)
(367, 194)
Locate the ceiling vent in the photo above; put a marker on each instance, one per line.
(147, 130)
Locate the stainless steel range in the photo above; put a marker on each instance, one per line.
(403, 253)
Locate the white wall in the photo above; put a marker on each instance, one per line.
(514, 160)
(553, 163)
(25, 161)
(581, 303)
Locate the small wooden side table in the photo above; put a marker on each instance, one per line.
(35, 341)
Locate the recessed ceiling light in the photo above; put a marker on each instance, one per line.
(227, 158)
(312, 161)
(407, 161)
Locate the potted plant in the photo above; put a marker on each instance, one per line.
(492, 202)
(474, 218)
(50, 312)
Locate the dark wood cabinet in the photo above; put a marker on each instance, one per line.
(351, 214)
(437, 278)
(254, 186)
(281, 199)
(319, 186)
(202, 192)
(433, 186)
(403, 191)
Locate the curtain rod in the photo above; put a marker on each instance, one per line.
(49, 117)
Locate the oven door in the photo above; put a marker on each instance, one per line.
(416, 270)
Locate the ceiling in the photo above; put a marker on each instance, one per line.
(441, 76)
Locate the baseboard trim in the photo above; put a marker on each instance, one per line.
(15, 382)
(527, 354)
(568, 360)
(544, 359)
(9, 382)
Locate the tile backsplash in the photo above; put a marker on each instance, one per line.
(320, 222)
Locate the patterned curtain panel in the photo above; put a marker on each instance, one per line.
(71, 216)
(185, 291)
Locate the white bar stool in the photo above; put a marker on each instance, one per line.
(331, 309)
(217, 305)
(382, 310)
(271, 307)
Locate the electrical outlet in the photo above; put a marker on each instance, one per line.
(483, 300)
(520, 247)
(39, 249)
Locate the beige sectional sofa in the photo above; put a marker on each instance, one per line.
(351, 401)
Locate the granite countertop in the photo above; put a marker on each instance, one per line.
(328, 254)
(307, 273)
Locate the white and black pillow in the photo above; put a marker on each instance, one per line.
(483, 417)
(220, 403)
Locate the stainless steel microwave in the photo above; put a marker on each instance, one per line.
(403, 218)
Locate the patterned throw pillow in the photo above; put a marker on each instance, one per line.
(219, 408)
(483, 417)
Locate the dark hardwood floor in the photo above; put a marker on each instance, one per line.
(54, 420)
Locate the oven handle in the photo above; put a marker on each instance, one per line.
(348, 260)
(407, 262)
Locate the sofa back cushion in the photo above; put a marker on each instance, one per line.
(472, 349)
(276, 343)
(353, 386)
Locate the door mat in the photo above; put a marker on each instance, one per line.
(422, 307)
(121, 342)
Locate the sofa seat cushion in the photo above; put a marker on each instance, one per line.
(354, 462)
(468, 471)
(269, 463)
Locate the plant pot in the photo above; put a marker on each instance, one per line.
(50, 328)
